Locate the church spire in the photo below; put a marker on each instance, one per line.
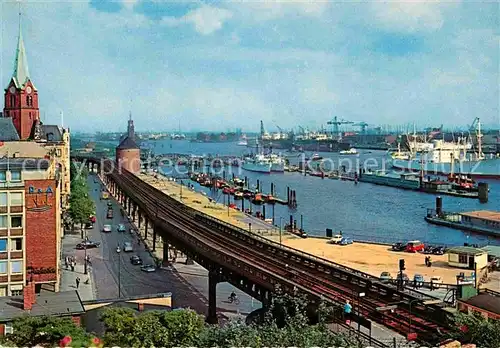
(130, 127)
(21, 71)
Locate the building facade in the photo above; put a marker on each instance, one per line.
(30, 224)
(128, 153)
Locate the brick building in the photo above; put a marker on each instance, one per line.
(128, 153)
(30, 222)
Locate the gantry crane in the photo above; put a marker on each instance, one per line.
(363, 126)
(336, 123)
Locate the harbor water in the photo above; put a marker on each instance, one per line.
(363, 211)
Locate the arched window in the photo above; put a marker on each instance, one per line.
(12, 100)
(30, 101)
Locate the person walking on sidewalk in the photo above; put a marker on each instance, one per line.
(77, 280)
(66, 263)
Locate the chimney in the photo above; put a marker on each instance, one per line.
(29, 297)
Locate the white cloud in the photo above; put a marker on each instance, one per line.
(265, 10)
(205, 19)
(410, 15)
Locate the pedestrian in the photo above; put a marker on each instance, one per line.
(73, 266)
(66, 263)
(347, 311)
(77, 280)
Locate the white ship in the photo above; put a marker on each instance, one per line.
(259, 164)
(242, 143)
(277, 163)
(351, 151)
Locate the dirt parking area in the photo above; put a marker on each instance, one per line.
(375, 259)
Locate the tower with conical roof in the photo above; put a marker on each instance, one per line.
(128, 153)
(21, 95)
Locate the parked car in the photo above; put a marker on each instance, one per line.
(403, 277)
(127, 247)
(148, 268)
(428, 249)
(418, 280)
(106, 228)
(88, 244)
(89, 226)
(136, 260)
(436, 281)
(385, 277)
(414, 246)
(346, 241)
(335, 239)
(440, 250)
(398, 247)
(121, 228)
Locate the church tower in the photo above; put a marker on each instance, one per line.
(21, 95)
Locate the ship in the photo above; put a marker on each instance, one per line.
(242, 143)
(277, 163)
(351, 151)
(441, 157)
(259, 164)
(381, 177)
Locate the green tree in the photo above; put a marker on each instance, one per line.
(474, 328)
(32, 331)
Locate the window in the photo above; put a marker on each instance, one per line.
(3, 199)
(3, 176)
(3, 291)
(12, 100)
(15, 176)
(462, 258)
(3, 221)
(16, 199)
(16, 221)
(16, 244)
(16, 292)
(16, 266)
(3, 267)
(3, 245)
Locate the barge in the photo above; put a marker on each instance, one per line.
(481, 221)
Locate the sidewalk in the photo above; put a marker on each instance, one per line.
(68, 277)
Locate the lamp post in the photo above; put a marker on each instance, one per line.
(119, 273)
(361, 294)
(281, 221)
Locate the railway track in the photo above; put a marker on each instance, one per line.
(175, 215)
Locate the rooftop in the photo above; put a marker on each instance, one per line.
(487, 301)
(22, 149)
(492, 250)
(47, 304)
(7, 130)
(484, 214)
(466, 250)
(128, 143)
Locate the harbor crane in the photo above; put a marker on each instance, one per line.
(363, 126)
(336, 123)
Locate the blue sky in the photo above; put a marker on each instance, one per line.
(221, 64)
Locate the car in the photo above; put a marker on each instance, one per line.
(403, 277)
(148, 268)
(88, 244)
(418, 280)
(346, 241)
(335, 239)
(110, 204)
(89, 226)
(136, 260)
(414, 246)
(109, 214)
(398, 247)
(428, 249)
(440, 250)
(127, 247)
(436, 281)
(106, 228)
(121, 228)
(385, 277)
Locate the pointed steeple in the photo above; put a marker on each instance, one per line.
(21, 71)
(130, 128)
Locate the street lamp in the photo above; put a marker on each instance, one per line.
(361, 294)
(119, 272)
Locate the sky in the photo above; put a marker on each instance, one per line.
(220, 65)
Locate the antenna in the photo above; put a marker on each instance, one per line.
(62, 119)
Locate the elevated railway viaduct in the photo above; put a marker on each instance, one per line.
(259, 266)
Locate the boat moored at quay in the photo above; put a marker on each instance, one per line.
(259, 164)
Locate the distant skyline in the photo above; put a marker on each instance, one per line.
(224, 64)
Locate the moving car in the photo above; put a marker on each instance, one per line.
(335, 239)
(148, 268)
(346, 241)
(121, 228)
(110, 204)
(127, 247)
(136, 260)
(109, 214)
(398, 247)
(87, 244)
(106, 228)
(414, 246)
(385, 277)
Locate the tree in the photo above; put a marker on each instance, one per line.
(32, 331)
(474, 328)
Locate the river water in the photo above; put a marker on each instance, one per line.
(363, 211)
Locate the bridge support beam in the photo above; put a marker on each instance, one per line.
(134, 211)
(213, 279)
(139, 219)
(146, 224)
(154, 238)
(129, 206)
(165, 261)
